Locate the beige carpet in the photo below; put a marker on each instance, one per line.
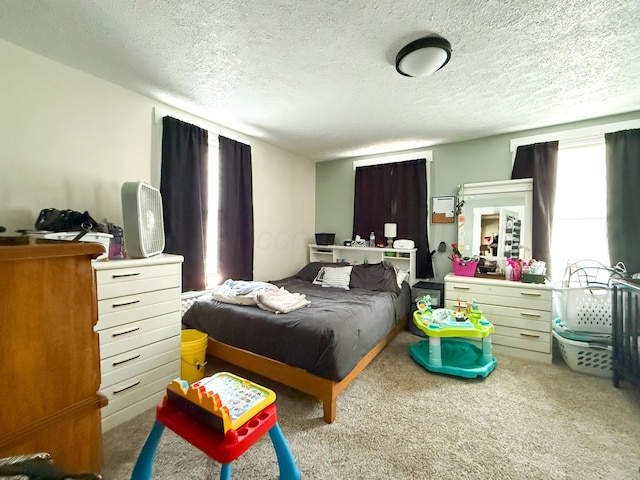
(397, 421)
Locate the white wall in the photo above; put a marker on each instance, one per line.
(69, 140)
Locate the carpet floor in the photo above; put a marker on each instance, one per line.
(526, 420)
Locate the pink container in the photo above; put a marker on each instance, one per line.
(464, 269)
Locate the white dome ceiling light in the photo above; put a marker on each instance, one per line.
(423, 57)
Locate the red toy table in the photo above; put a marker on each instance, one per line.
(224, 448)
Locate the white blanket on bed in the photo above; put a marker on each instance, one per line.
(281, 301)
(240, 292)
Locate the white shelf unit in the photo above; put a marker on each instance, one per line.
(139, 325)
(404, 259)
(520, 312)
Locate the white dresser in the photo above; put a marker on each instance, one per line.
(520, 312)
(139, 324)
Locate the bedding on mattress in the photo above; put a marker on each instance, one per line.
(326, 338)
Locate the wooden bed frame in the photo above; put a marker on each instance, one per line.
(321, 388)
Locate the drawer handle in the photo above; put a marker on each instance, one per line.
(115, 392)
(528, 314)
(529, 335)
(456, 287)
(131, 330)
(530, 294)
(115, 364)
(124, 304)
(124, 275)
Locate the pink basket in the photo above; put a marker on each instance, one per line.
(464, 269)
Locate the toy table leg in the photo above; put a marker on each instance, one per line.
(287, 465)
(487, 354)
(144, 464)
(225, 472)
(435, 352)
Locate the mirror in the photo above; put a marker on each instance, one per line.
(495, 219)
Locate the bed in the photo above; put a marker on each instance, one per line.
(317, 349)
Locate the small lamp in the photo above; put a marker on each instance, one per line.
(423, 57)
(390, 231)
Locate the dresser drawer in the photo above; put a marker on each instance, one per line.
(117, 311)
(110, 276)
(133, 335)
(512, 316)
(523, 339)
(120, 367)
(131, 287)
(132, 410)
(508, 297)
(507, 289)
(138, 387)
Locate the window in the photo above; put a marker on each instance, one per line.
(211, 261)
(580, 212)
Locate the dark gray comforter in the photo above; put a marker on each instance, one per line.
(327, 338)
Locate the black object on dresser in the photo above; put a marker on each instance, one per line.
(626, 327)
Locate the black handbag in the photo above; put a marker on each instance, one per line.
(54, 220)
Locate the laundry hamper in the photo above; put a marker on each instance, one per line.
(585, 309)
(586, 357)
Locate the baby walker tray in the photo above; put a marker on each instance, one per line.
(442, 353)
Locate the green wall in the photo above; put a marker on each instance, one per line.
(481, 160)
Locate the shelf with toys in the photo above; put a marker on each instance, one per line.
(447, 350)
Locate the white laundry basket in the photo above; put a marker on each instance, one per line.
(584, 309)
(584, 357)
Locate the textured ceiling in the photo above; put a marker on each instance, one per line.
(318, 78)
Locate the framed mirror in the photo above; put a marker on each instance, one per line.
(495, 218)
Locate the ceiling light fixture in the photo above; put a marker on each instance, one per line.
(423, 57)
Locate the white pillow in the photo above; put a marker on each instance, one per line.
(337, 277)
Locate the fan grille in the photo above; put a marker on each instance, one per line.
(143, 220)
(152, 234)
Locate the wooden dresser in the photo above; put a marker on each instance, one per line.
(49, 357)
(520, 312)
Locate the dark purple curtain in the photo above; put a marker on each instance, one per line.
(540, 162)
(623, 197)
(394, 193)
(183, 186)
(235, 216)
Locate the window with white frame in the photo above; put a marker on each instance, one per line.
(580, 211)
